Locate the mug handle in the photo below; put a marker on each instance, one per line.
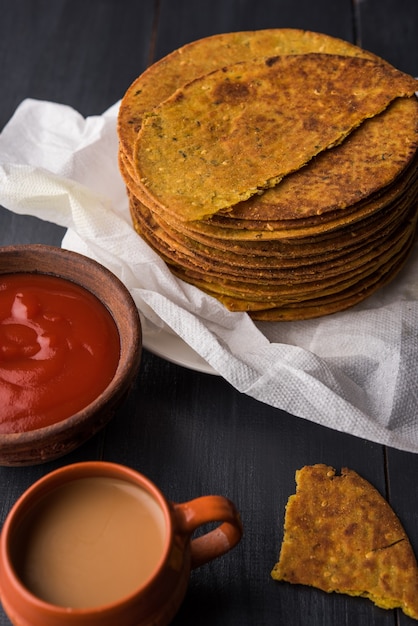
(190, 515)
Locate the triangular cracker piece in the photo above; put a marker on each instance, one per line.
(341, 535)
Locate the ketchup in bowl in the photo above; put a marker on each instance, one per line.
(59, 349)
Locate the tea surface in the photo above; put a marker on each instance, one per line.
(90, 542)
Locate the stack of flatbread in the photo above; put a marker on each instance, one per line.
(276, 170)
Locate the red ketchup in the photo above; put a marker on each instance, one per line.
(59, 349)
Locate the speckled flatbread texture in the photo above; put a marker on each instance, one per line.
(370, 159)
(341, 535)
(202, 56)
(237, 131)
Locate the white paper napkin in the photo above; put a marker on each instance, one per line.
(355, 371)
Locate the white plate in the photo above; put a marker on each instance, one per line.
(171, 347)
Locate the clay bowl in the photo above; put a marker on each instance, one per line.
(44, 444)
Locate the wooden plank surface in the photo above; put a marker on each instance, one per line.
(396, 40)
(181, 22)
(389, 28)
(192, 433)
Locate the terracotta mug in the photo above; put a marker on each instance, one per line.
(98, 544)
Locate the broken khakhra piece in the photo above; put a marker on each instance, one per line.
(341, 535)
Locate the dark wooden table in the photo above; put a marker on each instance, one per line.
(191, 432)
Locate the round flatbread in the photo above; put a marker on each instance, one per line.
(240, 130)
(202, 56)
